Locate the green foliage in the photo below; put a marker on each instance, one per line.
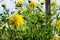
(35, 27)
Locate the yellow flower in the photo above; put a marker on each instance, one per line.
(42, 3)
(55, 38)
(16, 20)
(53, 4)
(58, 24)
(19, 3)
(33, 4)
(29, 1)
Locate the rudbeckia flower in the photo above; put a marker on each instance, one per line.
(19, 3)
(33, 4)
(16, 20)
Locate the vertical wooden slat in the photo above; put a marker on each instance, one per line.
(47, 5)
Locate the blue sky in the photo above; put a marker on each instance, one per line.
(11, 4)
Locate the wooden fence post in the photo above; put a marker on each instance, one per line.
(47, 6)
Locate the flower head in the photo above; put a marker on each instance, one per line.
(29, 1)
(19, 3)
(4, 5)
(16, 20)
(33, 4)
(42, 3)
